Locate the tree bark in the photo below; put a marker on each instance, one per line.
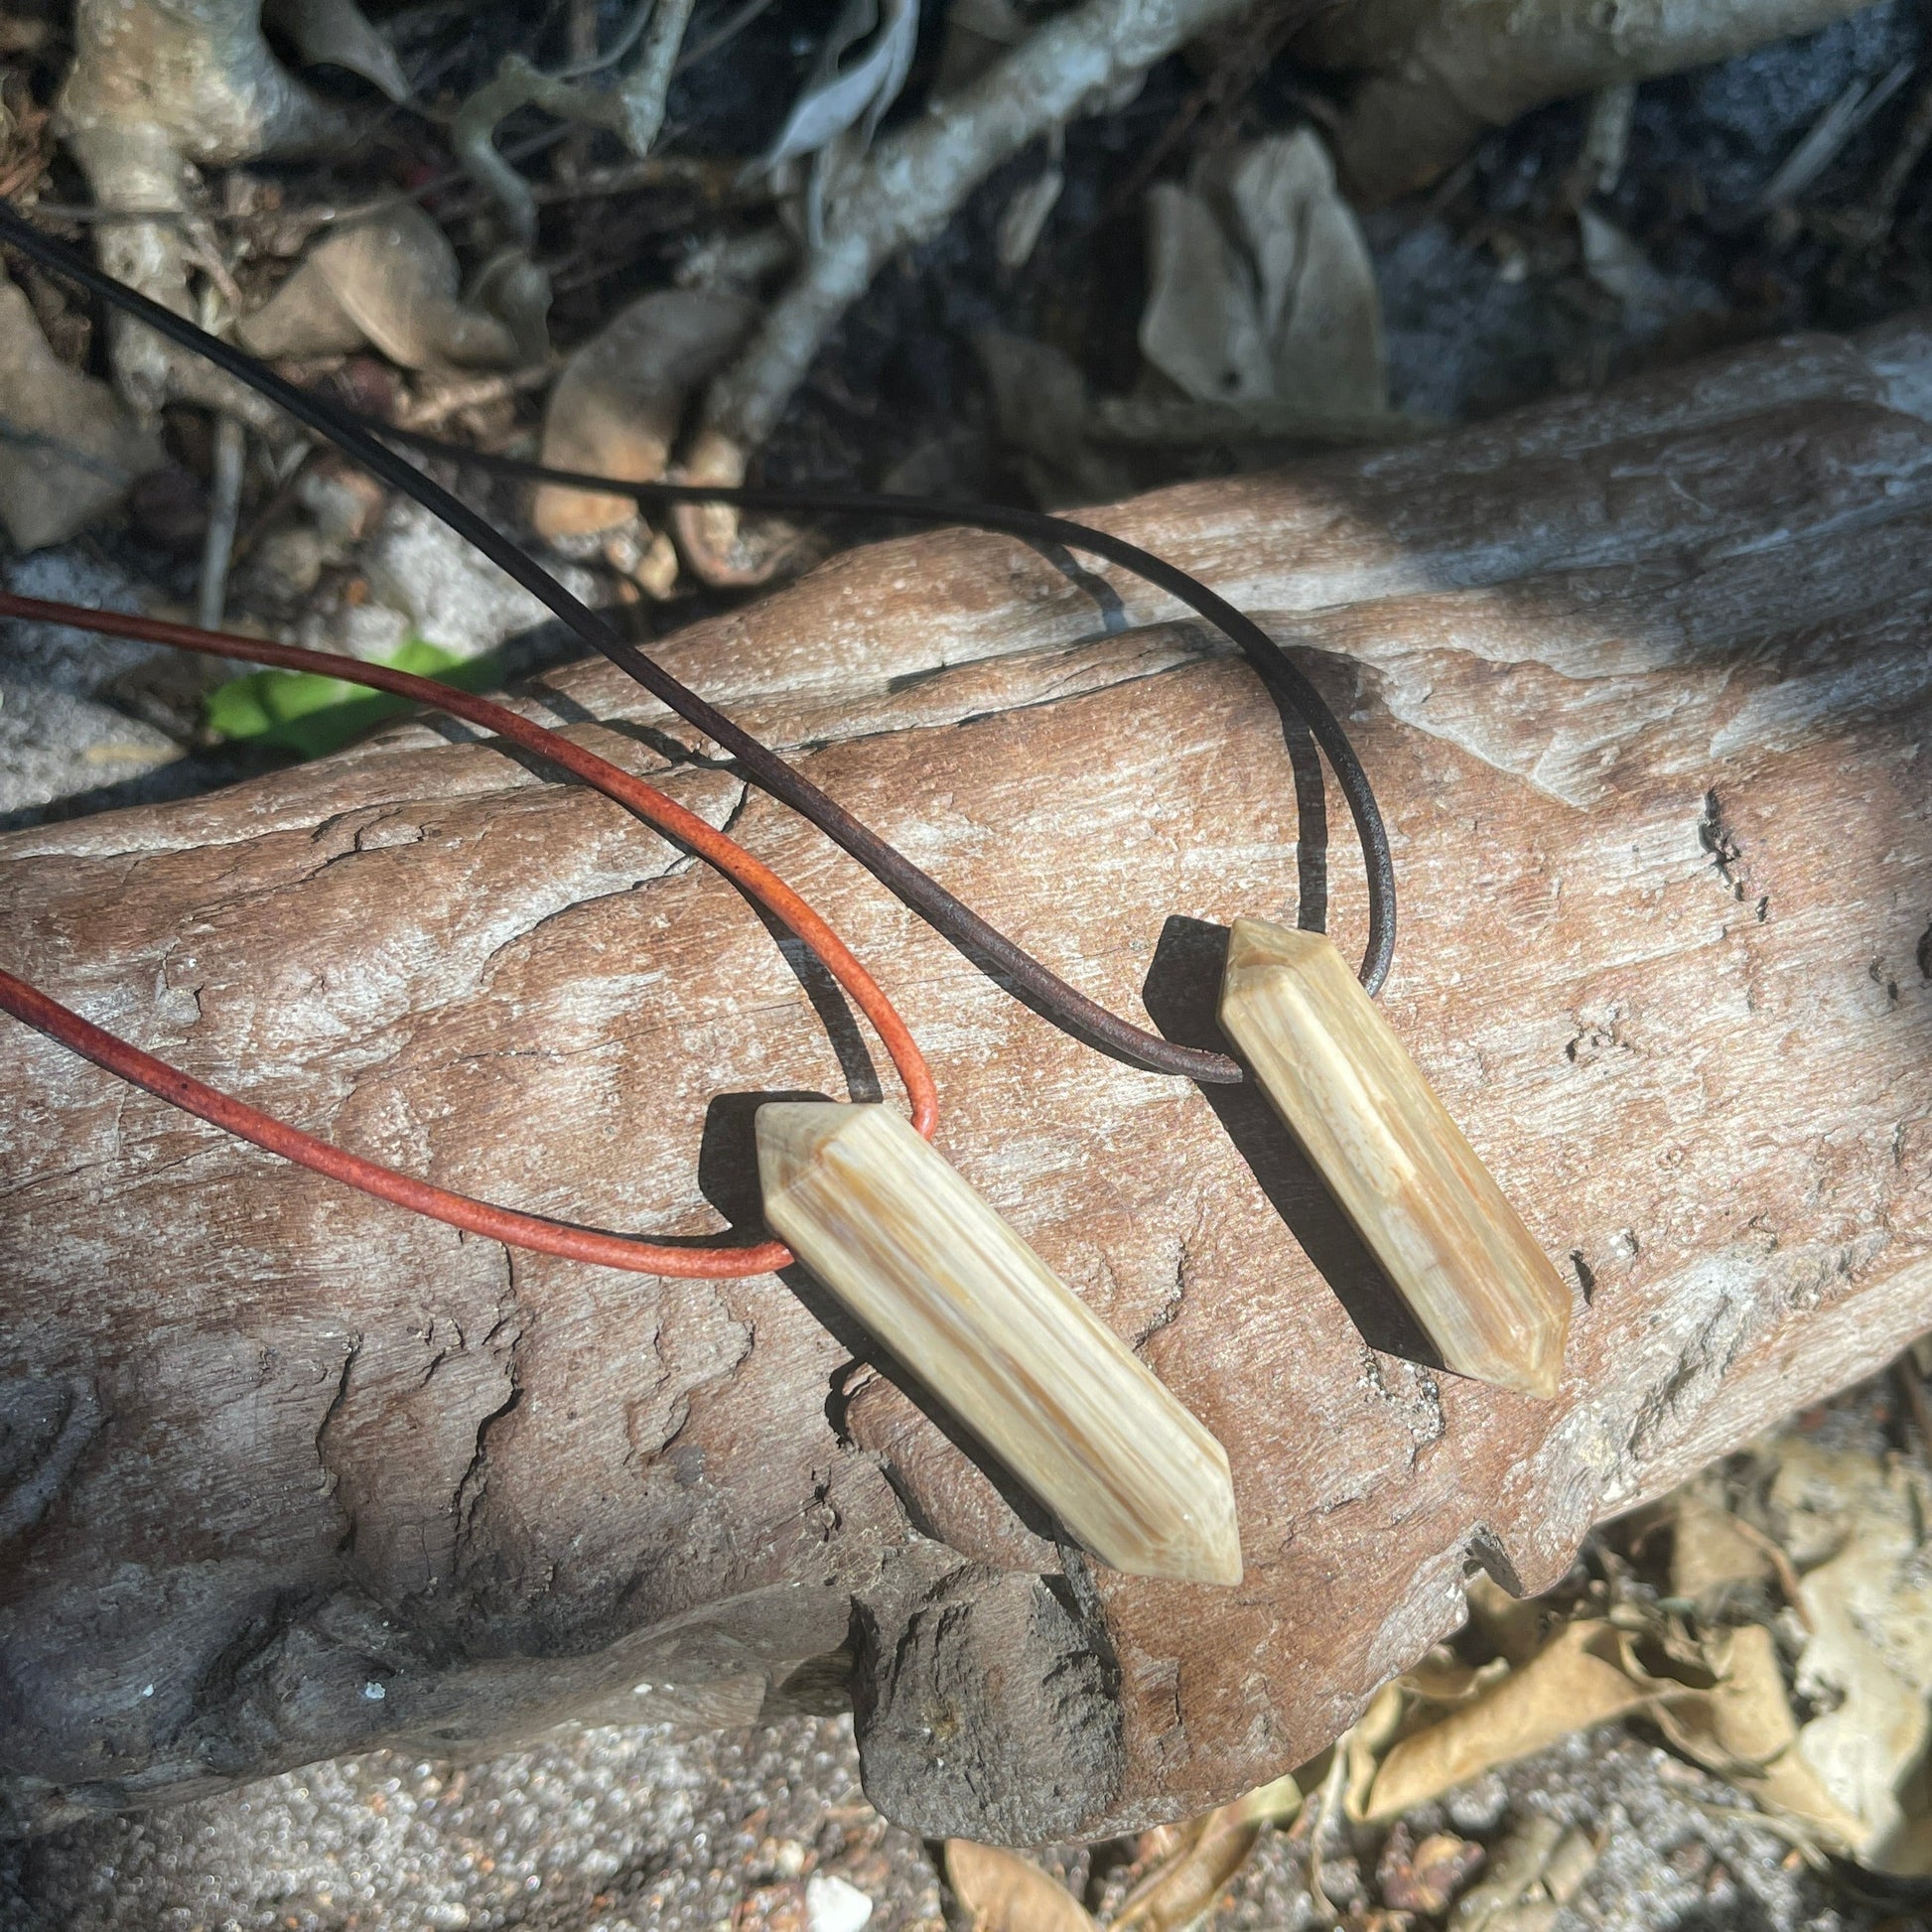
(1643, 683)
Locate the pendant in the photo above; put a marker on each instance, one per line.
(1427, 1208)
(931, 1270)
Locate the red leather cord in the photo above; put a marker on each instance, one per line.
(569, 1239)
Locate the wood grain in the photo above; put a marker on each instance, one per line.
(1643, 682)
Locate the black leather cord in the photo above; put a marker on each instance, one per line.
(1044, 990)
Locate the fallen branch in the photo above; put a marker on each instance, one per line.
(1440, 74)
(1642, 681)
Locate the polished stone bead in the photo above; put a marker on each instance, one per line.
(935, 1275)
(1428, 1209)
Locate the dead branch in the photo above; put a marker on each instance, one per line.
(904, 191)
(1641, 677)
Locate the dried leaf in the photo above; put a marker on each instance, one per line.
(1584, 1676)
(1366, 1741)
(1533, 1874)
(838, 97)
(1851, 1779)
(69, 449)
(334, 33)
(617, 406)
(1005, 1893)
(390, 280)
(1744, 1731)
(1214, 1848)
(1512, 1627)
(1026, 215)
(1320, 309)
(978, 33)
(1712, 1554)
(1261, 287)
(1868, 1660)
(1202, 327)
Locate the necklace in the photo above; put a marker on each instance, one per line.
(905, 1240)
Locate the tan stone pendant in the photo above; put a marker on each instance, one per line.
(1424, 1205)
(908, 1246)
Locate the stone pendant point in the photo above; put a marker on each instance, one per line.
(1428, 1209)
(936, 1275)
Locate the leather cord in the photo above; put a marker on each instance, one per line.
(572, 1240)
(981, 942)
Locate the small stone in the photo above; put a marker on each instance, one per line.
(831, 1906)
(1478, 1806)
(1425, 1877)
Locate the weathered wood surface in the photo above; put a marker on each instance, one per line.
(1644, 681)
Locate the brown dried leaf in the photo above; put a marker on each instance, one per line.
(1733, 1714)
(1214, 1848)
(1261, 288)
(617, 406)
(1584, 1676)
(1853, 1523)
(1533, 1874)
(390, 280)
(1513, 1626)
(1744, 1730)
(69, 449)
(1006, 1894)
(1712, 1554)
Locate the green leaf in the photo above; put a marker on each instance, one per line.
(309, 715)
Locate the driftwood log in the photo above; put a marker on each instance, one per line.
(1645, 684)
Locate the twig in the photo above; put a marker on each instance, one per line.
(428, 411)
(1873, 222)
(1156, 422)
(579, 37)
(1913, 1384)
(1235, 72)
(1819, 148)
(643, 89)
(634, 110)
(1607, 138)
(225, 505)
(909, 186)
(904, 191)
(718, 178)
(519, 84)
(591, 60)
(726, 32)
